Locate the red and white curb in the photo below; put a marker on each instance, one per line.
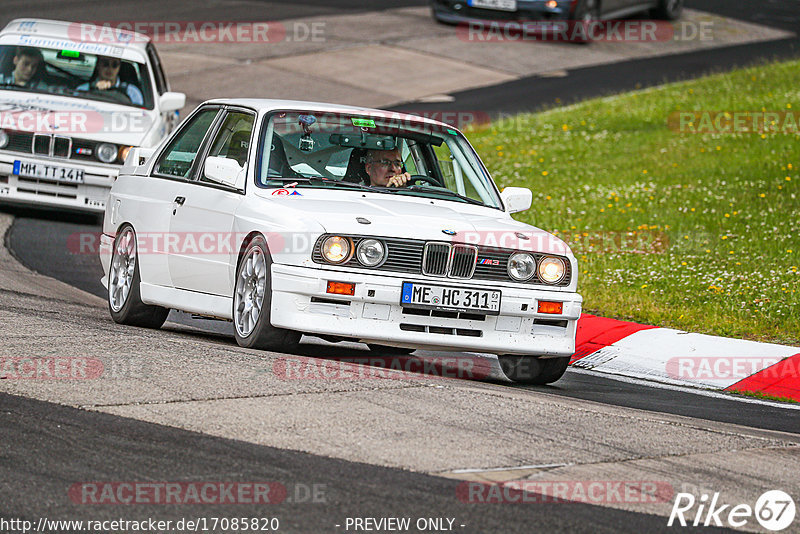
(681, 358)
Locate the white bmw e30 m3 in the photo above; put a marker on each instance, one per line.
(277, 215)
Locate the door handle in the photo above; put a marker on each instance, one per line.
(177, 202)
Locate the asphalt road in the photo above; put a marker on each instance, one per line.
(50, 447)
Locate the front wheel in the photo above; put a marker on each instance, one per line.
(669, 9)
(533, 370)
(252, 301)
(124, 296)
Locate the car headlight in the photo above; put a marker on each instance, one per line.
(521, 266)
(3, 139)
(552, 270)
(106, 152)
(336, 249)
(370, 252)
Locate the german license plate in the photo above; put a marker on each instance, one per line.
(499, 5)
(49, 172)
(450, 298)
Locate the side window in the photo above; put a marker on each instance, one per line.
(233, 138)
(158, 71)
(178, 158)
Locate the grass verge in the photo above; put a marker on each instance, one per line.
(696, 231)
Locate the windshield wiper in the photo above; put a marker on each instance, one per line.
(325, 182)
(438, 191)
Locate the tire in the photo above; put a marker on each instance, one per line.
(252, 301)
(586, 13)
(389, 351)
(669, 9)
(533, 370)
(124, 296)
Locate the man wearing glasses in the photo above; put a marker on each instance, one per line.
(385, 168)
(106, 77)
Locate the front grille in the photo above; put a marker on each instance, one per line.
(468, 332)
(408, 256)
(435, 259)
(41, 144)
(62, 146)
(462, 264)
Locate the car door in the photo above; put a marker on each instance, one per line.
(205, 217)
(162, 192)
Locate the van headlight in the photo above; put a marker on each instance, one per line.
(3, 139)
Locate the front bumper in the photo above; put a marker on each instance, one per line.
(460, 11)
(91, 195)
(374, 315)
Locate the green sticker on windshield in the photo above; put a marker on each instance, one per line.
(70, 53)
(363, 123)
(452, 132)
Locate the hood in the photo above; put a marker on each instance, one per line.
(74, 117)
(413, 218)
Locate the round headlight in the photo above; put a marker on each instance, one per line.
(552, 270)
(336, 249)
(370, 252)
(521, 266)
(106, 152)
(3, 139)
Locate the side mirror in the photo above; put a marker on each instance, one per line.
(171, 101)
(224, 171)
(517, 199)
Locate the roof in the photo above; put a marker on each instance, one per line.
(105, 40)
(264, 105)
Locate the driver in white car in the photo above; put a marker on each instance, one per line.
(382, 166)
(107, 77)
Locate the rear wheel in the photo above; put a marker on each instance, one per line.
(533, 370)
(669, 9)
(252, 301)
(124, 297)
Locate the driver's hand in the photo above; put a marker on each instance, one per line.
(103, 84)
(399, 181)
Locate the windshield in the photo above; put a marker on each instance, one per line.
(385, 153)
(75, 73)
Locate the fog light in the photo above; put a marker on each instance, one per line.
(554, 308)
(341, 288)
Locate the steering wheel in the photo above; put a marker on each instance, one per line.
(426, 179)
(113, 93)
